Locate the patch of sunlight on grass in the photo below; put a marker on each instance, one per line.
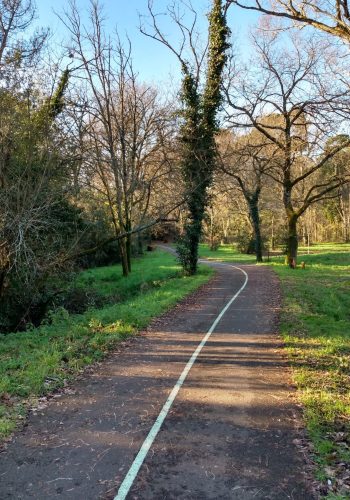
(225, 253)
(316, 329)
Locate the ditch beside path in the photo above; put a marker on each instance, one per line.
(229, 434)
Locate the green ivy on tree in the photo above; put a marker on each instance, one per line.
(197, 134)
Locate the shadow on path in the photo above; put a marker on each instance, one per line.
(229, 434)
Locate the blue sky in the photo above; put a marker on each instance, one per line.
(152, 61)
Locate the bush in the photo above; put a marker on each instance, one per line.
(183, 254)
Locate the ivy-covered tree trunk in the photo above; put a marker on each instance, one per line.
(198, 135)
(292, 241)
(194, 227)
(255, 220)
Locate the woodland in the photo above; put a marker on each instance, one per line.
(95, 163)
(244, 157)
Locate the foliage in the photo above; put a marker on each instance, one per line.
(197, 134)
(37, 219)
(246, 243)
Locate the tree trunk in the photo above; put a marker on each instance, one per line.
(193, 235)
(3, 273)
(345, 218)
(123, 257)
(255, 219)
(273, 233)
(292, 241)
(2, 282)
(139, 244)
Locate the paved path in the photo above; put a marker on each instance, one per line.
(229, 434)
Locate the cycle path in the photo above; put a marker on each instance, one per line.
(229, 433)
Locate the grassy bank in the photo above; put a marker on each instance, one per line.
(316, 329)
(35, 362)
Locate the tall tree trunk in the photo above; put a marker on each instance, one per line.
(123, 257)
(292, 241)
(198, 133)
(3, 270)
(2, 282)
(273, 233)
(255, 219)
(139, 244)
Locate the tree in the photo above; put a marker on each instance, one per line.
(200, 104)
(36, 218)
(287, 98)
(247, 160)
(127, 131)
(15, 17)
(329, 17)
(339, 207)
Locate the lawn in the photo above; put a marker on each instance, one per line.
(225, 253)
(315, 325)
(40, 360)
(326, 248)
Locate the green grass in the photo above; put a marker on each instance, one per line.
(35, 362)
(147, 272)
(225, 253)
(326, 248)
(316, 328)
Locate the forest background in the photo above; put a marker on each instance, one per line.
(92, 155)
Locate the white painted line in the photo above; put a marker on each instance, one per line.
(140, 457)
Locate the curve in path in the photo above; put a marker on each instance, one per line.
(146, 445)
(228, 435)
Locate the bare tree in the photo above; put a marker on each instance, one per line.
(247, 159)
(331, 17)
(288, 99)
(128, 130)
